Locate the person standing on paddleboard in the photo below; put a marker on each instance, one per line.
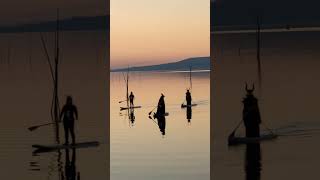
(188, 98)
(69, 113)
(131, 98)
(251, 114)
(161, 109)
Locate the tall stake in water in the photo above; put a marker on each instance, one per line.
(128, 87)
(258, 53)
(56, 98)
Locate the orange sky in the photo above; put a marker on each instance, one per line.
(154, 31)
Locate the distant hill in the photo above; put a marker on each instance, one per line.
(70, 24)
(197, 63)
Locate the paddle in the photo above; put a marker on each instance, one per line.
(234, 131)
(122, 101)
(32, 128)
(152, 110)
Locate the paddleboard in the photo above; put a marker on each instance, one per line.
(155, 115)
(232, 140)
(49, 148)
(132, 107)
(184, 105)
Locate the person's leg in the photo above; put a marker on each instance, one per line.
(72, 131)
(66, 132)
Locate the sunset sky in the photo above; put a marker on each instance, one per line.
(147, 32)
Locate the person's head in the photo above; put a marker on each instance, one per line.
(187, 90)
(162, 96)
(131, 93)
(249, 91)
(69, 100)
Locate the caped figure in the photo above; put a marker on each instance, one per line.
(161, 110)
(188, 98)
(69, 113)
(251, 114)
(131, 98)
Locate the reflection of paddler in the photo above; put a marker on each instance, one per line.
(253, 161)
(162, 124)
(70, 166)
(189, 114)
(132, 116)
(251, 114)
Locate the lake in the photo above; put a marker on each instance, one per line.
(288, 102)
(139, 150)
(26, 94)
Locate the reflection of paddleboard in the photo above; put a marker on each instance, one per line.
(232, 140)
(184, 105)
(155, 115)
(49, 148)
(132, 107)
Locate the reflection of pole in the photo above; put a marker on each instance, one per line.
(190, 80)
(258, 52)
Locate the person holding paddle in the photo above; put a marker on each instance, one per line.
(68, 112)
(188, 98)
(161, 110)
(131, 98)
(251, 114)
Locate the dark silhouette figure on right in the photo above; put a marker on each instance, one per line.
(68, 112)
(189, 114)
(188, 98)
(253, 161)
(251, 114)
(131, 98)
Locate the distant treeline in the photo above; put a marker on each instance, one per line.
(71, 24)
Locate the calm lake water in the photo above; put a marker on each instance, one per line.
(289, 104)
(139, 150)
(26, 92)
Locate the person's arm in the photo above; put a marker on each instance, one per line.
(62, 112)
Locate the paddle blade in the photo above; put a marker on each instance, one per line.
(232, 134)
(33, 128)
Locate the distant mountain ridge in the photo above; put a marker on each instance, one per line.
(70, 24)
(197, 63)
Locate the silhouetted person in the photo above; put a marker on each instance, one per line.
(161, 109)
(131, 98)
(251, 114)
(189, 114)
(253, 161)
(162, 124)
(70, 166)
(69, 113)
(188, 98)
